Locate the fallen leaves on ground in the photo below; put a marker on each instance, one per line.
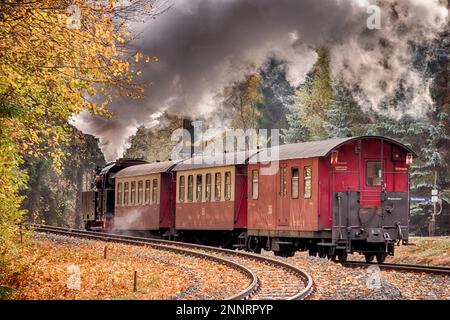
(160, 274)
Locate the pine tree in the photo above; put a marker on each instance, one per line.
(439, 67)
(344, 117)
(278, 95)
(296, 131)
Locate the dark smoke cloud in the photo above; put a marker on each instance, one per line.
(204, 46)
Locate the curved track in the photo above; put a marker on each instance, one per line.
(400, 267)
(270, 278)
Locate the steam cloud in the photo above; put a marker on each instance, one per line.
(204, 46)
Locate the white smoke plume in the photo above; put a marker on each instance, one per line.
(205, 45)
(132, 220)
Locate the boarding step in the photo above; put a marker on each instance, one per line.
(326, 244)
(284, 242)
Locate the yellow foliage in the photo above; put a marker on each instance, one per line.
(314, 100)
(54, 60)
(243, 98)
(51, 70)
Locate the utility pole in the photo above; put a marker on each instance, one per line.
(435, 199)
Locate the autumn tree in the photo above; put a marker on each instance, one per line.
(242, 100)
(154, 143)
(53, 195)
(57, 58)
(315, 96)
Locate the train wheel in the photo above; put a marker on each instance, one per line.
(322, 254)
(381, 257)
(312, 251)
(331, 254)
(369, 257)
(253, 245)
(342, 256)
(258, 250)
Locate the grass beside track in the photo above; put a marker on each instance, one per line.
(433, 251)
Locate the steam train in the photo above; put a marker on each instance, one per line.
(333, 198)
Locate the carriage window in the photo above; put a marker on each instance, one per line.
(125, 193)
(199, 187)
(140, 192)
(373, 173)
(307, 182)
(255, 184)
(181, 189)
(208, 187)
(218, 186)
(119, 194)
(190, 195)
(147, 191)
(227, 185)
(294, 183)
(155, 191)
(133, 193)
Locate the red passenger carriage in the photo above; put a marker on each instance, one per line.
(211, 198)
(332, 197)
(143, 197)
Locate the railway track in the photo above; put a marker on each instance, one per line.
(400, 267)
(270, 279)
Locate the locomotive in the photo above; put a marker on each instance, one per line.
(97, 204)
(332, 198)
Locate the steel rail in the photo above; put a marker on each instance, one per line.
(401, 267)
(306, 278)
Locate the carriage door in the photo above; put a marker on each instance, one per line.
(370, 212)
(371, 184)
(282, 195)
